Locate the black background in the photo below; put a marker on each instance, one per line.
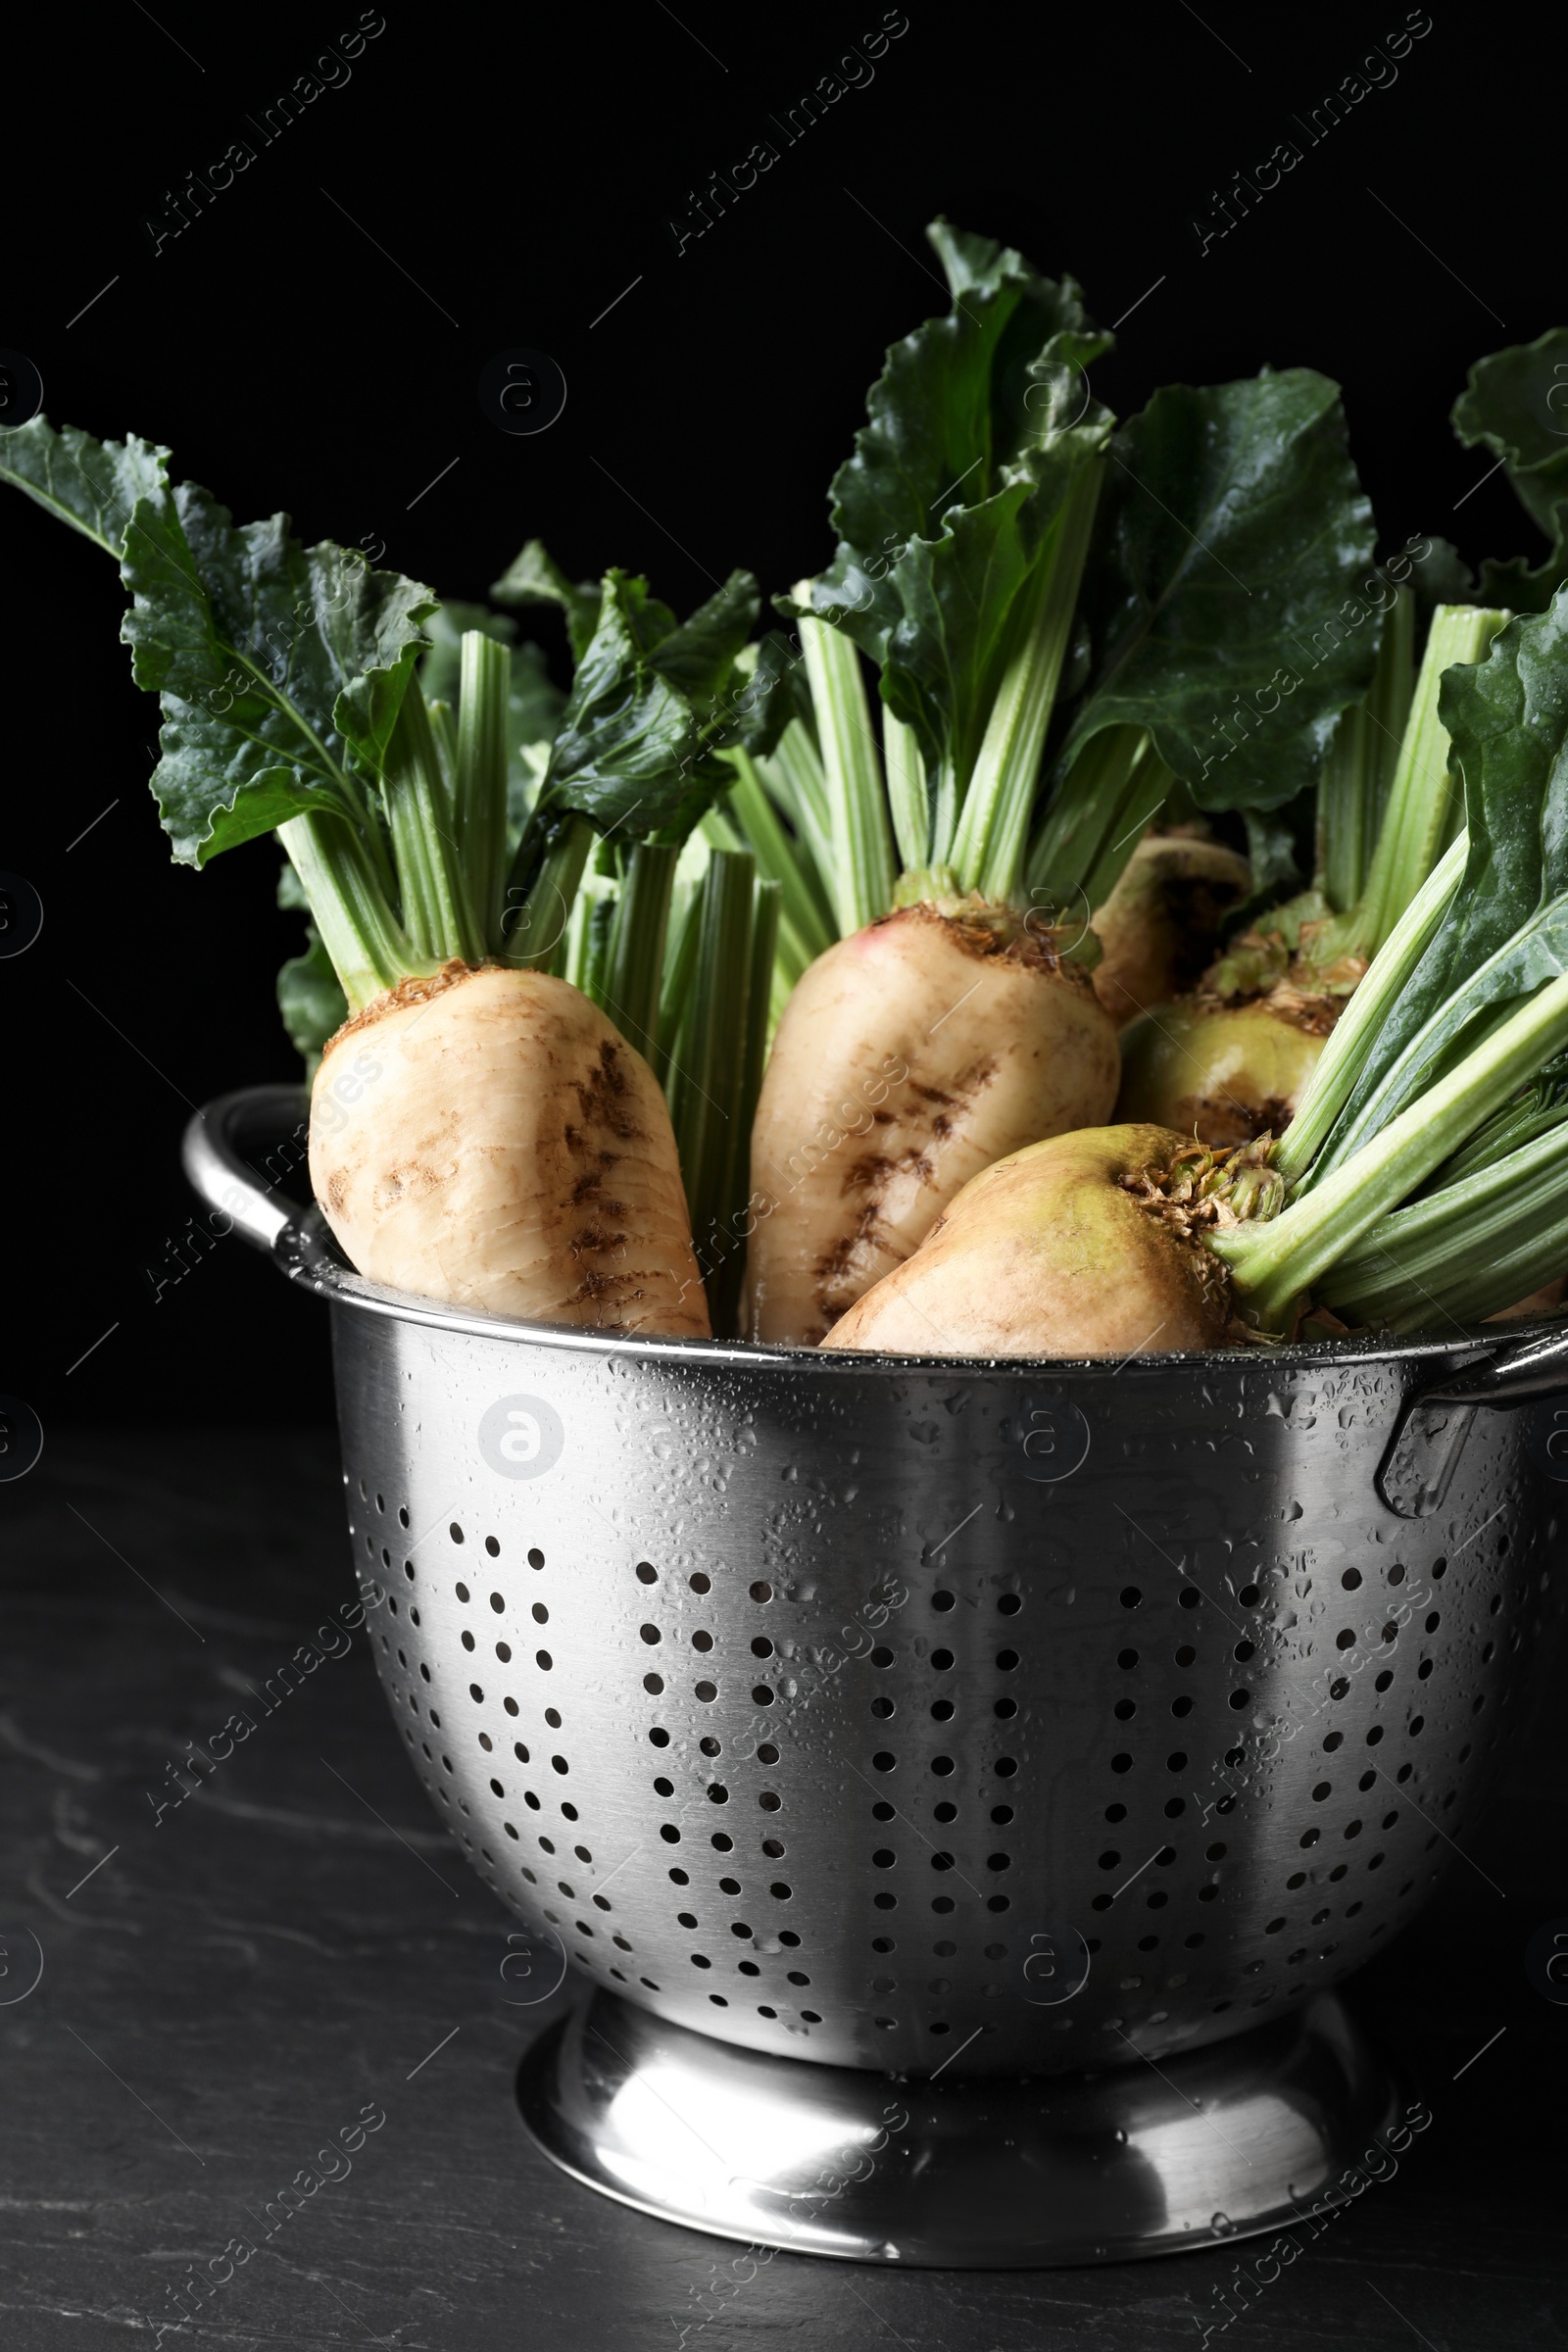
(510, 173)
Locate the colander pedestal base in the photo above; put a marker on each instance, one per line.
(1241, 2136)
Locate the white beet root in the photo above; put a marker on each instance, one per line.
(909, 1057)
(488, 1139)
(1160, 925)
(1223, 1073)
(1049, 1254)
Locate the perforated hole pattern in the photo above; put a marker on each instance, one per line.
(827, 1795)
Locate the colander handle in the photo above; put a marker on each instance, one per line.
(223, 1145)
(1433, 1427)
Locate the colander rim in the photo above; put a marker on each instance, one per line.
(309, 1255)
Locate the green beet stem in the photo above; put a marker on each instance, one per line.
(993, 832)
(1274, 1264)
(480, 773)
(860, 875)
(708, 1069)
(369, 950)
(535, 924)
(1343, 1056)
(908, 801)
(724, 1283)
(436, 910)
(1415, 820)
(635, 963)
(1467, 1251)
(781, 857)
(1361, 760)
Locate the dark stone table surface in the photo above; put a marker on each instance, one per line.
(295, 1951)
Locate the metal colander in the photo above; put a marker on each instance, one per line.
(1004, 1719)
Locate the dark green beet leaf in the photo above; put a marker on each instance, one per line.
(1515, 403)
(534, 577)
(1232, 537)
(94, 485)
(627, 733)
(975, 431)
(277, 665)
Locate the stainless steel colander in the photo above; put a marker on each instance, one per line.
(939, 1719)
